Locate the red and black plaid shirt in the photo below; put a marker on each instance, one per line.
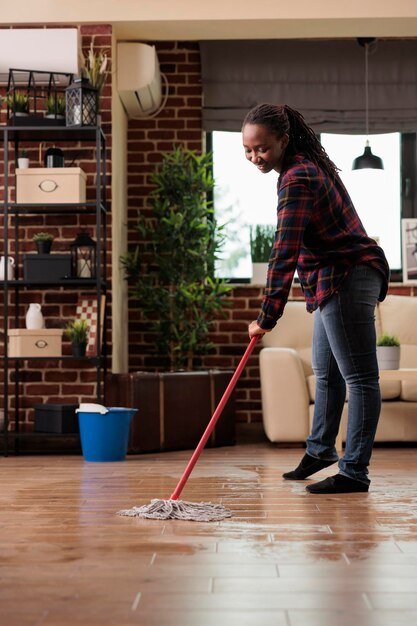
(318, 233)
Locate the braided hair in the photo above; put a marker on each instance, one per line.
(280, 119)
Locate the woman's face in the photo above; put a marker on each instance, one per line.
(263, 148)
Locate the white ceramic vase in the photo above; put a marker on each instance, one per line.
(10, 268)
(34, 317)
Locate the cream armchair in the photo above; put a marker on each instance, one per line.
(288, 382)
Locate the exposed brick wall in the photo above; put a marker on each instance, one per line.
(179, 123)
(60, 381)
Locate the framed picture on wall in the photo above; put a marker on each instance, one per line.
(409, 249)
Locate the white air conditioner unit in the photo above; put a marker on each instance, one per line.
(138, 79)
(44, 49)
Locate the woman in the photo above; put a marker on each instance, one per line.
(343, 273)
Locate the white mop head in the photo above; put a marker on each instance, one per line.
(179, 509)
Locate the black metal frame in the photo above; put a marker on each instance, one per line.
(35, 134)
(32, 88)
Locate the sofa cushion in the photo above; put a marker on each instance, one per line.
(294, 328)
(390, 389)
(408, 355)
(409, 390)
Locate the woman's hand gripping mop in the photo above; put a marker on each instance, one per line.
(180, 509)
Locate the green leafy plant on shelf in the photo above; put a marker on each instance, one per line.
(172, 274)
(42, 236)
(388, 341)
(55, 106)
(77, 331)
(261, 242)
(43, 242)
(18, 101)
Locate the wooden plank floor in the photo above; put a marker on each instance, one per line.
(285, 558)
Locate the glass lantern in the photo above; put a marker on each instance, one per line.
(81, 103)
(83, 256)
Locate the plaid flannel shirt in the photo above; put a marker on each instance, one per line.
(318, 233)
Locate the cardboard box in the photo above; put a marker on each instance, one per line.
(46, 267)
(50, 185)
(25, 342)
(56, 418)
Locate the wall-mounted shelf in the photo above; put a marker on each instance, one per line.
(12, 136)
(88, 208)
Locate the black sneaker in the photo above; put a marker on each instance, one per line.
(308, 466)
(338, 484)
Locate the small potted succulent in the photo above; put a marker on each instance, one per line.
(77, 332)
(23, 161)
(261, 242)
(43, 242)
(388, 352)
(18, 103)
(55, 107)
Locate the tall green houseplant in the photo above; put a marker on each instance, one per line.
(174, 281)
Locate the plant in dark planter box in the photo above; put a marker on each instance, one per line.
(77, 332)
(172, 276)
(43, 242)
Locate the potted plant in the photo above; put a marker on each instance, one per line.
(388, 352)
(261, 242)
(18, 103)
(23, 161)
(55, 107)
(43, 242)
(172, 277)
(94, 69)
(77, 332)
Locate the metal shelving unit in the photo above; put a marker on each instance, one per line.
(16, 135)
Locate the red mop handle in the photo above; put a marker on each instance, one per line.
(214, 419)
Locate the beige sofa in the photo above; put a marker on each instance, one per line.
(288, 382)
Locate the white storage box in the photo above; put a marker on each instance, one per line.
(27, 342)
(50, 185)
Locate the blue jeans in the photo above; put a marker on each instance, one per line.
(344, 353)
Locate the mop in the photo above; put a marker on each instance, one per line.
(193, 511)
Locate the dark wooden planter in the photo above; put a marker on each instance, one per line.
(174, 408)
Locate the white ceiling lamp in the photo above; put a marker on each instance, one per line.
(367, 160)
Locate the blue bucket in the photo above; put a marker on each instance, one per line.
(105, 436)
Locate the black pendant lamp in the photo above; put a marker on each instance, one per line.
(367, 160)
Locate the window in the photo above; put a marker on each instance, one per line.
(243, 196)
(375, 193)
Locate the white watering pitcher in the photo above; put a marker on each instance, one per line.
(10, 268)
(34, 317)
